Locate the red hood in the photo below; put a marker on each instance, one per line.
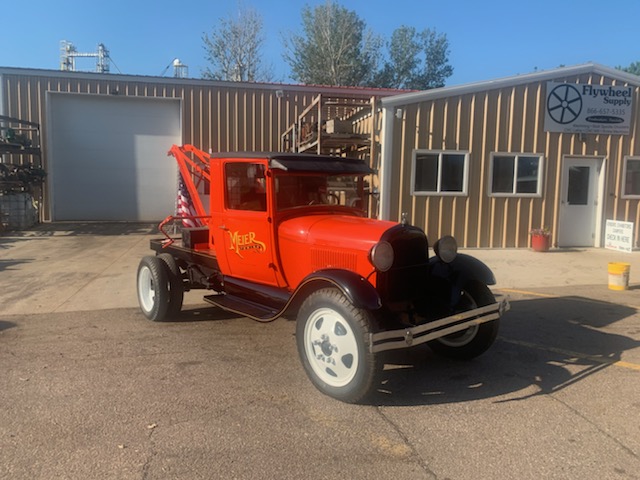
(338, 231)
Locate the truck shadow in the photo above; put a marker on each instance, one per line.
(9, 238)
(9, 264)
(201, 313)
(544, 346)
(4, 325)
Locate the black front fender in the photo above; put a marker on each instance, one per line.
(356, 288)
(464, 268)
(460, 273)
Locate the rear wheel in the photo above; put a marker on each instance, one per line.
(333, 344)
(153, 288)
(475, 340)
(176, 287)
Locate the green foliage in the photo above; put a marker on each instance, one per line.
(542, 231)
(403, 59)
(417, 60)
(233, 49)
(633, 68)
(436, 61)
(336, 48)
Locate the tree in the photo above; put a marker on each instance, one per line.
(335, 49)
(234, 49)
(403, 59)
(436, 60)
(633, 68)
(417, 60)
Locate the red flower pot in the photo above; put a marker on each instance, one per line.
(540, 243)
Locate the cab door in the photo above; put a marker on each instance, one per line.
(242, 230)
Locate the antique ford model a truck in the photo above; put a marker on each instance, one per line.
(280, 238)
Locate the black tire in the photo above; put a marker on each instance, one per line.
(332, 337)
(176, 287)
(152, 285)
(475, 340)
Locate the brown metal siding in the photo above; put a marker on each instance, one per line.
(503, 120)
(219, 116)
(223, 118)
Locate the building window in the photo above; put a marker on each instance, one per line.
(518, 174)
(439, 173)
(631, 187)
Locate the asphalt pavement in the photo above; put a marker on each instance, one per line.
(91, 389)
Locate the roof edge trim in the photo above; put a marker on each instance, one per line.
(120, 77)
(437, 93)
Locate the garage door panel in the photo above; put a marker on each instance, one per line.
(99, 193)
(108, 157)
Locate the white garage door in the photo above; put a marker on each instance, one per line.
(107, 157)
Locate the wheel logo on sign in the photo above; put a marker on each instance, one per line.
(564, 103)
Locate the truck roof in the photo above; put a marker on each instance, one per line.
(305, 162)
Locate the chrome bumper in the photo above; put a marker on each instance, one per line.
(409, 337)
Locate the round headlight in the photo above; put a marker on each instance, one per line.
(446, 249)
(382, 256)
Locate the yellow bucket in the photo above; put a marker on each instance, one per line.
(619, 275)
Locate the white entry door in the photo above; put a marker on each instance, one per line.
(580, 216)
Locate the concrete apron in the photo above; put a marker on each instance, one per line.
(71, 267)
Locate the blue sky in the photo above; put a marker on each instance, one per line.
(488, 40)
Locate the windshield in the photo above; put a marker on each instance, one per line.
(312, 189)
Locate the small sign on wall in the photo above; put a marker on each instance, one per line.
(619, 236)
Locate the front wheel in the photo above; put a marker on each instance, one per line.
(332, 336)
(476, 339)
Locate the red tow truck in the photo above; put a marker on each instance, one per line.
(285, 234)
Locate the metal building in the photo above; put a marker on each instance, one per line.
(486, 162)
(105, 136)
(490, 161)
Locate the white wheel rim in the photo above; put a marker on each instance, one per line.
(460, 339)
(331, 347)
(146, 289)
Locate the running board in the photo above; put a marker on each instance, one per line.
(246, 309)
(409, 337)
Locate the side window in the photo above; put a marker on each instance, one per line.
(439, 173)
(516, 175)
(631, 188)
(245, 184)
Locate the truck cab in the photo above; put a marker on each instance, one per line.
(280, 218)
(285, 234)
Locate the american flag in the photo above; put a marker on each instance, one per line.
(185, 206)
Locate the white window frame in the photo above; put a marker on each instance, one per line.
(515, 155)
(465, 180)
(624, 178)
